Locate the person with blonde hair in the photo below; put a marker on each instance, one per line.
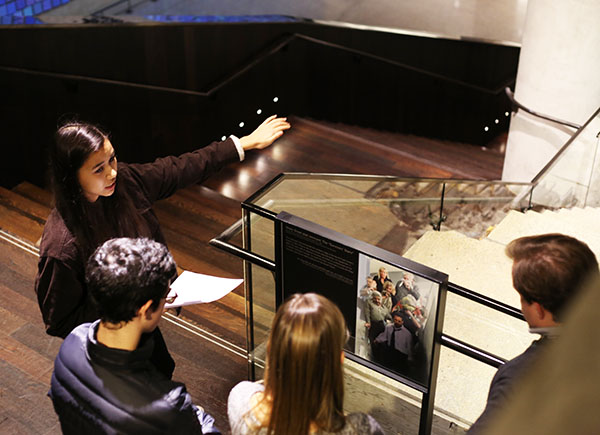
(381, 278)
(303, 388)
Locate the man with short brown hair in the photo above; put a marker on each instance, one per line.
(548, 272)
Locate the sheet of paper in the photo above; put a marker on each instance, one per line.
(196, 288)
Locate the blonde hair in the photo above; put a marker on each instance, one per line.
(304, 380)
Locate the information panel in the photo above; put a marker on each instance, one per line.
(392, 306)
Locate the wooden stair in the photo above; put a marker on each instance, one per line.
(23, 212)
(209, 339)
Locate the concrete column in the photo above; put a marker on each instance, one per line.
(558, 75)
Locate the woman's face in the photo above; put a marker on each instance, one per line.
(98, 174)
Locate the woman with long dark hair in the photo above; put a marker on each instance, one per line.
(303, 390)
(97, 199)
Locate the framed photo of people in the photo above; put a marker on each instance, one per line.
(393, 306)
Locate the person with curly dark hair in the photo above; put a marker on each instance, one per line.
(103, 379)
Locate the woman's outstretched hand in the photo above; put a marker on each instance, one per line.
(265, 134)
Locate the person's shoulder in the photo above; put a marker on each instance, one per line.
(510, 372)
(57, 241)
(126, 169)
(79, 333)
(140, 180)
(244, 390)
(361, 423)
(129, 173)
(522, 361)
(239, 405)
(74, 344)
(239, 396)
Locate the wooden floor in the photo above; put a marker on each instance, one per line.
(208, 351)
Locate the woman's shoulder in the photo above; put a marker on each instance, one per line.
(57, 241)
(244, 390)
(361, 423)
(127, 173)
(239, 405)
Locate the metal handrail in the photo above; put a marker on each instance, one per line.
(219, 85)
(561, 151)
(244, 254)
(221, 242)
(472, 351)
(486, 301)
(403, 65)
(272, 49)
(515, 103)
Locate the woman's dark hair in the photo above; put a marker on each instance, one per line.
(123, 274)
(91, 224)
(304, 380)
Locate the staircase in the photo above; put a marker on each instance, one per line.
(215, 331)
(480, 264)
(189, 219)
(204, 338)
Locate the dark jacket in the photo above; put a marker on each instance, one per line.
(379, 283)
(504, 383)
(60, 281)
(97, 389)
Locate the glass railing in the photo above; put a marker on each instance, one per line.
(482, 322)
(393, 213)
(398, 214)
(388, 212)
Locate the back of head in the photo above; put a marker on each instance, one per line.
(550, 269)
(304, 377)
(125, 273)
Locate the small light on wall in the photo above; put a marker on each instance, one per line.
(276, 99)
(496, 121)
(223, 138)
(242, 124)
(259, 111)
(486, 128)
(506, 113)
